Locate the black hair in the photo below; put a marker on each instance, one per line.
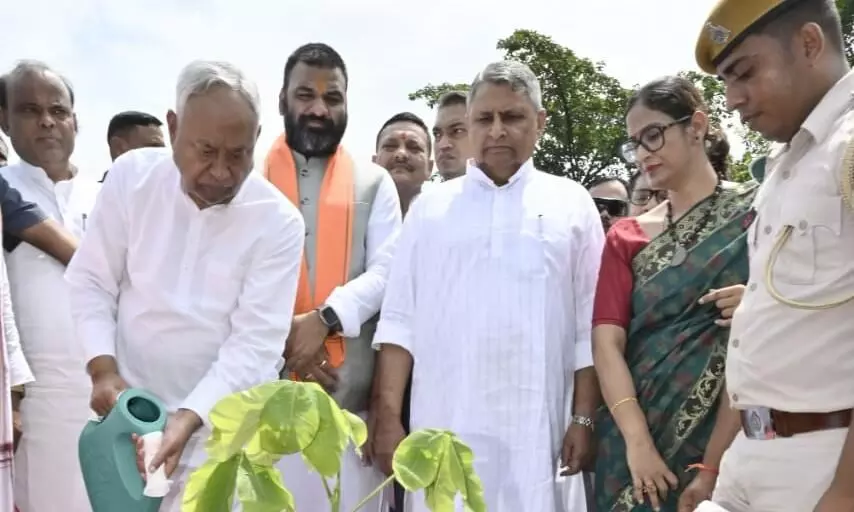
(317, 55)
(123, 122)
(451, 98)
(678, 97)
(599, 180)
(794, 14)
(407, 117)
(29, 66)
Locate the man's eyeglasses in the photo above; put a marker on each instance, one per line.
(642, 196)
(651, 138)
(613, 207)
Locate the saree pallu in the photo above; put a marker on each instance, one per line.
(675, 352)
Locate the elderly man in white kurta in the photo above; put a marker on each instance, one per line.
(500, 331)
(56, 406)
(185, 282)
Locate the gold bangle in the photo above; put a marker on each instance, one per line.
(621, 402)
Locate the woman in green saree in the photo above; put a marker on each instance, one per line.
(659, 350)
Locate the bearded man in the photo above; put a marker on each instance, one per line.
(352, 213)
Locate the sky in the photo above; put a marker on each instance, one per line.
(127, 55)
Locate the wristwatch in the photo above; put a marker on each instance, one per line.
(584, 421)
(329, 318)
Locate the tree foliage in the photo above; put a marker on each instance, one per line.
(585, 106)
(846, 14)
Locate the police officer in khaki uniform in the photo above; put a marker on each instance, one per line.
(790, 362)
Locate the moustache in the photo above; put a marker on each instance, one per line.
(326, 124)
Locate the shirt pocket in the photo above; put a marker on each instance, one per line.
(223, 284)
(528, 249)
(813, 252)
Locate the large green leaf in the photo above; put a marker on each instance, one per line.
(210, 488)
(290, 418)
(333, 436)
(235, 419)
(441, 464)
(260, 489)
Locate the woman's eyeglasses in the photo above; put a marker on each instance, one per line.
(642, 196)
(613, 207)
(651, 138)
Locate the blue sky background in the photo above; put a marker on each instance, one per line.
(126, 55)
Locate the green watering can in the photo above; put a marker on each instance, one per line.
(108, 455)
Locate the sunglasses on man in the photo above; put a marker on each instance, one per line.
(613, 207)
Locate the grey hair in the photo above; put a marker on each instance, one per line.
(200, 76)
(518, 76)
(23, 68)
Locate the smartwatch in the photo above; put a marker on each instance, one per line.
(330, 319)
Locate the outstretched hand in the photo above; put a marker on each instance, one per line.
(726, 300)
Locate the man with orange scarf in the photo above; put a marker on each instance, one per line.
(352, 215)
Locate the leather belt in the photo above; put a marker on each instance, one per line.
(765, 423)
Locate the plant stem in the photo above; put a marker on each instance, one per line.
(375, 492)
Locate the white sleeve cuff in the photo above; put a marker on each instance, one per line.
(96, 347)
(205, 396)
(583, 355)
(19, 370)
(349, 318)
(392, 333)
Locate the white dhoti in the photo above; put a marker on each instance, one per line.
(357, 482)
(47, 466)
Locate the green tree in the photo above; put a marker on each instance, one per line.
(585, 105)
(846, 14)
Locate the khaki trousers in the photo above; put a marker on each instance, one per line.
(777, 475)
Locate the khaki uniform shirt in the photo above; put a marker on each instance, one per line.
(781, 356)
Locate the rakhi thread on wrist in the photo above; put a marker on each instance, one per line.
(702, 467)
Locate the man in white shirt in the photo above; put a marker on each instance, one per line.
(453, 148)
(351, 214)
(42, 127)
(185, 282)
(501, 329)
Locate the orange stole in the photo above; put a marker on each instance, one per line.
(334, 230)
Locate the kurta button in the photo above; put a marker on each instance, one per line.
(304, 200)
(752, 287)
(735, 397)
(307, 233)
(303, 172)
(735, 343)
(786, 175)
(802, 225)
(767, 230)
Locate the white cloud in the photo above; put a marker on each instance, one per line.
(126, 55)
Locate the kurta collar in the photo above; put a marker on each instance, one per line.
(478, 176)
(40, 174)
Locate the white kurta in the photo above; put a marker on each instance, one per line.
(47, 468)
(491, 291)
(194, 304)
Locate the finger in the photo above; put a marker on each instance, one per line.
(172, 464)
(323, 378)
(686, 502)
(575, 463)
(723, 322)
(159, 458)
(672, 480)
(708, 297)
(727, 312)
(652, 494)
(637, 485)
(727, 302)
(661, 485)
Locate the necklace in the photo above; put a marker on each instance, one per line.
(680, 254)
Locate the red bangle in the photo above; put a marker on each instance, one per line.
(702, 467)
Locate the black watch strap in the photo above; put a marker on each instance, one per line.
(329, 318)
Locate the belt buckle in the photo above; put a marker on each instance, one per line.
(758, 424)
